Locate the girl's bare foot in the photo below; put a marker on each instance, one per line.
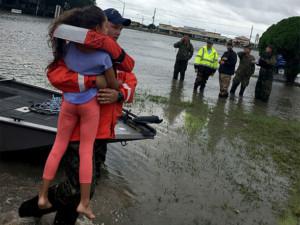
(86, 210)
(44, 203)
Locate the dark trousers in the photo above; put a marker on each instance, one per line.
(263, 86)
(65, 196)
(180, 67)
(203, 74)
(235, 85)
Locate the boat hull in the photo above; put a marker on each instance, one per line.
(22, 128)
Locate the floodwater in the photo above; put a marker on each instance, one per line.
(213, 162)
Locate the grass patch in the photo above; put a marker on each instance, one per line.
(272, 136)
(266, 137)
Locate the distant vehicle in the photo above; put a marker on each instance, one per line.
(280, 64)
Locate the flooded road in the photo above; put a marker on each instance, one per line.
(213, 162)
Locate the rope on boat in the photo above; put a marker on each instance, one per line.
(49, 106)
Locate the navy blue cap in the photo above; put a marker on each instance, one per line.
(115, 17)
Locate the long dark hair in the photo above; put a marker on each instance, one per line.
(87, 17)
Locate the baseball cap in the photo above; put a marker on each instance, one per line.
(229, 43)
(115, 17)
(210, 42)
(248, 46)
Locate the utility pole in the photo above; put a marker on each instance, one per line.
(37, 7)
(123, 8)
(153, 18)
(251, 34)
(124, 3)
(256, 40)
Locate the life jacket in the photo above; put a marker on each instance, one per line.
(110, 113)
(92, 39)
(70, 81)
(96, 40)
(207, 59)
(121, 60)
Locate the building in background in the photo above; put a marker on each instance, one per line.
(196, 33)
(241, 41)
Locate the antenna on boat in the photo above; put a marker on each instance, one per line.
(57, 11)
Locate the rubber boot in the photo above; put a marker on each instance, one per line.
(241, 94)
(233, 88)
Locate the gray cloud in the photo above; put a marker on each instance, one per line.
(230, 17)
(265, 12)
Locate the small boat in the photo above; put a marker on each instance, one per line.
(24, 124)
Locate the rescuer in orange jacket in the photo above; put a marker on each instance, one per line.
(65, 196)
(69, 81)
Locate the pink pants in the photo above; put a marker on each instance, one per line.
(88, 115)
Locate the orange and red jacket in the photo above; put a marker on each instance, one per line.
(99, 41)
(69, 81)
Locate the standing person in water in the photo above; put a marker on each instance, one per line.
(227, 69)
(244, 72)
(264, 82)
(82, 106)
(206, 64)
(184, 54)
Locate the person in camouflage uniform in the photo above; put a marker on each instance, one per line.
(65, 196)
(185, 53)
(263, 86)
(226, 69)
(245, 70)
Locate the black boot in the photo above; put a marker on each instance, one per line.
(241, 94)
(223, 95)
(195, 88)
(196, 85)
(233, 88)
(202, 88)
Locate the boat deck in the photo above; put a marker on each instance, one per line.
(35, 129)
(16, 98)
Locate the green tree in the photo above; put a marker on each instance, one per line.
(285, 39)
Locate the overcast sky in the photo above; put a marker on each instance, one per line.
(229, 17)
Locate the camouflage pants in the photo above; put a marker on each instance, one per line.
(65, 196)
(203, 74)
(224, 81)
(263, 86)
(242, 79)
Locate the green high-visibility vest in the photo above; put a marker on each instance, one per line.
(205, 59)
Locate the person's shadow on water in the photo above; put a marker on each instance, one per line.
(196, 115)
(216, 125)
(174, 106)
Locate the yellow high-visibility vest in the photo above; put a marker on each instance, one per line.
(205, 59)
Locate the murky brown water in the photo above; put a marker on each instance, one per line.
(194, 172)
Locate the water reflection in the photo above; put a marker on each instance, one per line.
(172, 110)
(196, 116)
(216, 126)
